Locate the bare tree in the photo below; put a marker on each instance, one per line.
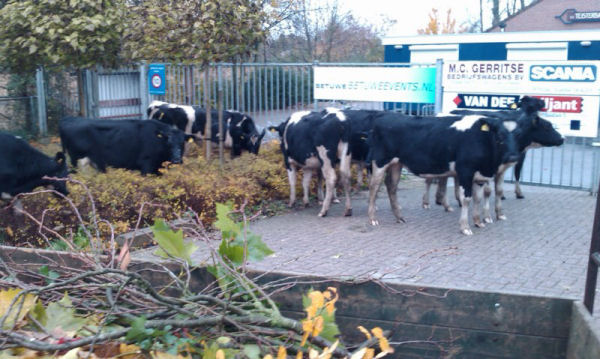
(324, 32)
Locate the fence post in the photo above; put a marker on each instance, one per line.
(315, 101)
(90, 95)
(439, 90)
(220, 114)
(143, 90)
(41, 97)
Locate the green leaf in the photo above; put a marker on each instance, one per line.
(235, 253)
(171, 243)
(60, 317)
(46, 272)
(257, 249)
(252, 351)
(228, 228)
(138, 329)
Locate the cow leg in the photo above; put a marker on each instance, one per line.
(306, 177)
(498, 182)
(391, 183)
(377, 175)
(487, 192)
(292, 180)
(345, 175)
(330, 178)
(465, 193)
(360, 181)
(319, 187)
(440, 194)
(518, 168)
(477, 196)
(457, 190)
(425, 202)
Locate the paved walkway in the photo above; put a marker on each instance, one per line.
(541, 249)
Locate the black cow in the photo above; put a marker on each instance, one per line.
(239, 129)
(132, 144)
(313, 141)
(471, 146)
(532, 131)
(361, 122)
(23, 167)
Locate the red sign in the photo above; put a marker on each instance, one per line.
(568, 104)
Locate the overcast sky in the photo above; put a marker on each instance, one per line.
(411, 14)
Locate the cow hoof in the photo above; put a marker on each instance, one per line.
(449, 209)
(306, 205)
(323, 214)
(479, 225)
(348, 212)
(502, 217)
(426, 205)
(439, 203)
(335, 200)
(291, 205)
(488, 220)
(467, 231)
(503, 198)
(520, 196)
(401, 220)
(374, 222)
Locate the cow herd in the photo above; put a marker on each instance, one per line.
(473, 147)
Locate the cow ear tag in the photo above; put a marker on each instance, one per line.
(60, 160)
(159, 135)
(485, 127)
(513, 106)
(162, 114)
(190, 140)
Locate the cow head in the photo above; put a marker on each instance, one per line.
(174, 141)
(254, 140)
(531, 105)
(540, 131)
(505, 143)
(59, 170)
(533, 128)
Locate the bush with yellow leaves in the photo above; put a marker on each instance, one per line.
(119, 195)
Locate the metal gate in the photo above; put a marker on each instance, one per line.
(573, 165)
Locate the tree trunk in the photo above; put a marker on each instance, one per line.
(481, 15)
(495, 12)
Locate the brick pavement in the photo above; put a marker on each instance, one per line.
(541, 249)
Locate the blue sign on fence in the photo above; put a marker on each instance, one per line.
(156, 79)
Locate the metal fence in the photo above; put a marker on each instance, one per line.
(269, 92)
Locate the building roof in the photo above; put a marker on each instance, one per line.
(550, 15)
(512, 37)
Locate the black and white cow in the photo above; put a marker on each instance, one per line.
(532, 132)
(472, 147)
(317, 141)
(239, 128)
(132, 144)
(23, 167)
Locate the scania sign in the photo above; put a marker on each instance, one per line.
(570, 73)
